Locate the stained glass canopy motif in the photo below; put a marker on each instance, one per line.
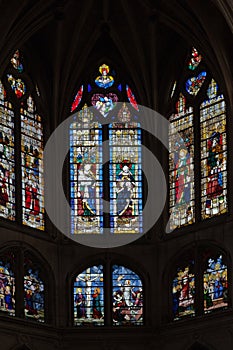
(32, 166)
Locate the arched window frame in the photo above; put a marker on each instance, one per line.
(108, 262)
(45, 273)
(17, 105)
(198, 251)
(195, 102)
(122, 94)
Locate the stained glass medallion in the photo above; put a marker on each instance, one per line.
(32, 166)
(88, 296)
(194, 84)
(104, 80)
(17, 85)
(215, 284)
(195, 59)
(86, 174)
(127, 296)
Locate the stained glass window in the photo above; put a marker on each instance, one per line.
(16, 61)
(125, 174)
(181, 148)
(89, 297)
(7, 163)
(215, 284)
(32, 169)
(7, 283)
(33, 291)
(17, 85)
(77, 99)
(127, 297)
(213, 153)
(104, 80)
(183, 291)
(104, 103)
(199, 118)
(195, 59)
(86, 174)
(194, 84)
(131, 98)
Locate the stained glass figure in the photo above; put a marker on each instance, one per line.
(32, 166)
(127, 295)
(125, 174)
(16, 61)
(33, 291)
(183, 291)
(181, 165)
(104, 103)
(89, 297)
(131, 98)
(17, 85)
(7, 162)
(213, 154)
(195, 59)
(215, 284)
(77, 99)
(7, 284)
(194, 84)
(104, 80)
(86, 174)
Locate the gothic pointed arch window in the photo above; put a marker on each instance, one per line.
(121, 181)
(200, 283)
(21, 147)
(198, 146)
(92, 306)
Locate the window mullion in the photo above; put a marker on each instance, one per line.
(18, 167)
(19, 282)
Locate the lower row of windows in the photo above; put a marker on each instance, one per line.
(90, 289)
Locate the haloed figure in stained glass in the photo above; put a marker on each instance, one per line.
(182, 176)
(214, 160)
(125, 189)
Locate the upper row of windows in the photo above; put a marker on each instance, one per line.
(197, 145)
